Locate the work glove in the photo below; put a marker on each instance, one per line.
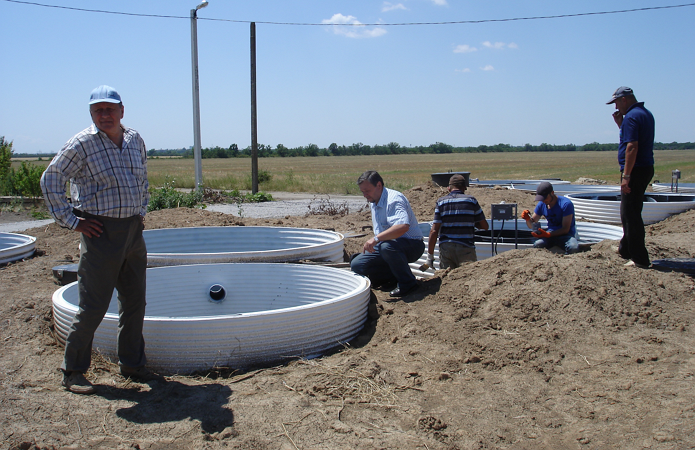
(430, 260)
(526, 214)
(541, 233)
(429, 263)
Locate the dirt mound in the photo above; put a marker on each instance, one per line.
(527, 349)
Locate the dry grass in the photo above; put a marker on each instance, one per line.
(337, 175)
(352, 385)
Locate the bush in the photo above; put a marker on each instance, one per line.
(5, 161)
(264, 176)
(168, 197)
(235, 196)
(26, 182)
(258, 197)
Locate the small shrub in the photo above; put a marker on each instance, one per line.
(324, 206)
(264, 176)
(26, 181)
(40, 214)
(5, 163)
(258, 197)
(235, 196)
(168, 197)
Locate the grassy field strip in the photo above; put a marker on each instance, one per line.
(337, 174)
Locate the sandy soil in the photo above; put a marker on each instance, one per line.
(525, 350)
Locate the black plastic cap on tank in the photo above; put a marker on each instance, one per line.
(217, 293)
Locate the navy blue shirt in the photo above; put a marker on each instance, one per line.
(638, 125)
(563, 207)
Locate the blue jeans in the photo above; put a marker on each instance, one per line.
(566, 242)
(389, 262)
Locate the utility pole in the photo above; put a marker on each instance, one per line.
(254, 116)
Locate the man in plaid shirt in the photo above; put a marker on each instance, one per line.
(106, 167)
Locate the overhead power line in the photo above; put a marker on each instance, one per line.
(457, 22)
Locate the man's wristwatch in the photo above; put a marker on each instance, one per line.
(376, 238)
(627, 177)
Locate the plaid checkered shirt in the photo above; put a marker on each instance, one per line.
(104, 180)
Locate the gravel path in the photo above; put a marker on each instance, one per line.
(285, 204)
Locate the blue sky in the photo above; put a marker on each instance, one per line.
(469, 84)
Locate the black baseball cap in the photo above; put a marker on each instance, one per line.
(543, 190)
(622, 91)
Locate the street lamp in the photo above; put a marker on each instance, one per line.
(196, 96)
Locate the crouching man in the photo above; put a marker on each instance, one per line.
(559, 211)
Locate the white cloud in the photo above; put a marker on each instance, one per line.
(499, 45)
(388, 6)
(487, 68)
(440, 2)
(464, 48)
(466, 70)
(350, 27)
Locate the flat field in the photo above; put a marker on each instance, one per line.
(337, 174)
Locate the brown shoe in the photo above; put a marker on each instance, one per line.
(140, 374)
(75, 382)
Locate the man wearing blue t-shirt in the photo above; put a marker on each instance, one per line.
(559, 211)
(636, 159)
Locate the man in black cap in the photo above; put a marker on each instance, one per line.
(636, 159)
(559, 211)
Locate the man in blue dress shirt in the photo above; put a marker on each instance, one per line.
(397, 238)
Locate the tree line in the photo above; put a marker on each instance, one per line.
(393, 148)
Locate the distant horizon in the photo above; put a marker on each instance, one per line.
(579, 147)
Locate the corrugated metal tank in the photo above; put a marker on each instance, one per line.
(14, 247)
(528, 184)
(605, 207)
(565, 189)
(681, 188)
(207, 245)
(270, 313)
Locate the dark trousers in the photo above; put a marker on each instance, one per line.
(632, 244)
(389, 262)
(116, 259)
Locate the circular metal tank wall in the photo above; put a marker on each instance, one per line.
(14, 247)
(683, 188)
(565, 189)
(207, 245)
(512, 184)
(605, 207)
(234, 315)
(589, 233)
